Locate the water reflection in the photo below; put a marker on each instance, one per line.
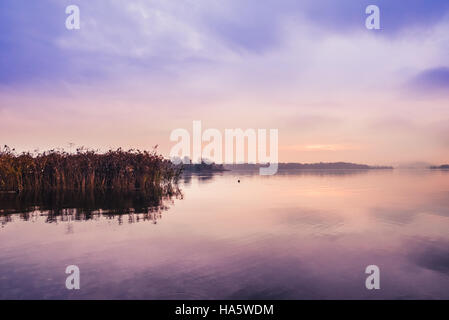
(200, 177)
(433, 256)
(308, 172)
(80, 206)
(295, 235)
(208, 177)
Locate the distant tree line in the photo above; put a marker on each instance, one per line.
(308, 166)
(444, 166)
(202, 167)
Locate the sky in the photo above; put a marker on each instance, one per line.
(136, 70)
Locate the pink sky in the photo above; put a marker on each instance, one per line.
(139, 70)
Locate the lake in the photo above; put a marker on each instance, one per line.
(295, 235)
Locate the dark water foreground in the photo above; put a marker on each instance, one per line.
(296, 235)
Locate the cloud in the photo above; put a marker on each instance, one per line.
(167, 37)
(431, 80)
(254, 24)
(398, 16)
(28, 51)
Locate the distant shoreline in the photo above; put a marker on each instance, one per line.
(442, 167)
(203, 167)
(310, 166)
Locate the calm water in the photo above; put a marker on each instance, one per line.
(291, 236)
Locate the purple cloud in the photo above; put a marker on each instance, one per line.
(31, 49)
(431, 80)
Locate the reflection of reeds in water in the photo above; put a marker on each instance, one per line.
(130, 206)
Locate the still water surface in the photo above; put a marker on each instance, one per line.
(296, 235)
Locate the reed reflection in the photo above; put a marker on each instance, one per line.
(57, 206)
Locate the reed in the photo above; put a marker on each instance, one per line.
(86, 170)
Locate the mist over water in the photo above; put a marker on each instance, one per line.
(295, 235)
